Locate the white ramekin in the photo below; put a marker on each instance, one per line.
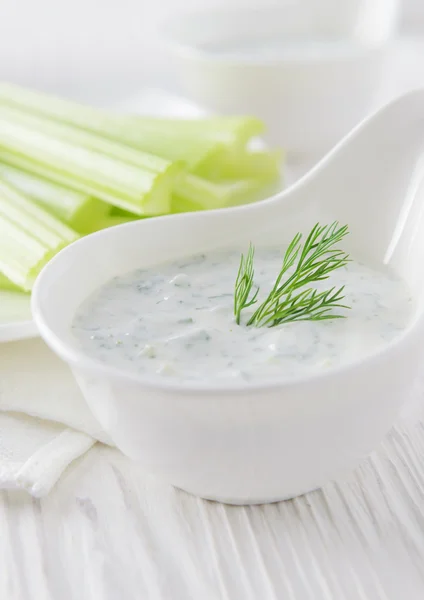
(307, 101)
(248, 443)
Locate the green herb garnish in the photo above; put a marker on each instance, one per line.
(287, 301)
(244, 284)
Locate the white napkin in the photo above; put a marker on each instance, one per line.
(45, 423)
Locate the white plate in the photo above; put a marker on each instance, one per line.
(15, 317)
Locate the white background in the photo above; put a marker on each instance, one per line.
(98, 48)
(102, 47)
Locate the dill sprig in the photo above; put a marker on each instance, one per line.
(288, 300)
(244, 284)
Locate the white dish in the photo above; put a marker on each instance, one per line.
(245, 442)
(15, 317)
(317, 79)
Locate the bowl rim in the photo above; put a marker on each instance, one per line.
(167, 29)
(77, 358)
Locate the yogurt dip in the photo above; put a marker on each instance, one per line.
(176, 320)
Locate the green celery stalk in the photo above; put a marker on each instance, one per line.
(29, 237)
(80, 211)
(195, 141)
(213, 148)
(213, 196)
(86, 163)
(111, 221)
(190, 140)
(7, 285)
(195, 193)
(230, 164)
(86, 139)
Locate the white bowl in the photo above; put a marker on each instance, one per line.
(249, 443)
(311, 94)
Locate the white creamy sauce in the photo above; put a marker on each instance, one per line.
(176, 321)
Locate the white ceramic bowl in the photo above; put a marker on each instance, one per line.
(311, 94)
(246, 443)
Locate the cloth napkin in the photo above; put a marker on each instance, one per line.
(45, 423)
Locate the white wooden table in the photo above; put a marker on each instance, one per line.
(107, 532)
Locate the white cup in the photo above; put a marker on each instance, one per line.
(311, 89)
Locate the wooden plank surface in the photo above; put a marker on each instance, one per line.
(107, 532)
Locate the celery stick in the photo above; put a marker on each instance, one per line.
(80, 211)
(213, 147)
(195, 193)
(29, 237)
(220, 128)
(6, 284)
(189, 187)
(111, 221)
(230, 164)
(86, 139)
(194, 141)
(120, 212)
(182, 205)
(190, 140)
(16, 207)
(116, 182)
(224, 129)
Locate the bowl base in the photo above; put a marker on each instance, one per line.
(249, 501)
